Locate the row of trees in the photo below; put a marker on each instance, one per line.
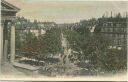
(91, 47)
(50, 42)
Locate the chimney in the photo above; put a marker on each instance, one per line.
(111, 14)
(126, 15)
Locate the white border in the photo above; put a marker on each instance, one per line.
(119, 77)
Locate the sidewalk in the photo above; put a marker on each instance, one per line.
(8, 69)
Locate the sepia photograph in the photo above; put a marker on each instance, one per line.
(61, 40)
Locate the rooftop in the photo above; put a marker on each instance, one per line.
(8, 7)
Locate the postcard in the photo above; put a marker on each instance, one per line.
(57, 40)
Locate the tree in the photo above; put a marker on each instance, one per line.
(51, 41)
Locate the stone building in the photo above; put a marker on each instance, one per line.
(114, 28)
(8, 16)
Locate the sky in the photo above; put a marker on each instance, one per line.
(67, 11)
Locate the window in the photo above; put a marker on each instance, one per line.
(122, 36)
(110, 24)
(116, 41)
(125, 30)
(119, 42)
(114, 24)
(110, 35)
(111, 29)
(106, 35)
(125, 36)
(118, 25)
(114, 35)
(116, 29)
(119, 35)
(105, 24)
(102, 29)
(124, 24)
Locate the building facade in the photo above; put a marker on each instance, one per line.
(8, 16)
(114, 28)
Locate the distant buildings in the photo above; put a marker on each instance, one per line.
(114, 28)
(41, 28)
(36, 32)
(36, 28)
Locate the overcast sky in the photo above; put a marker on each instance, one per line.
(66, 11)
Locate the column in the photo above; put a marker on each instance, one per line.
(12, 44)
(5, 51)
(1, 46)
